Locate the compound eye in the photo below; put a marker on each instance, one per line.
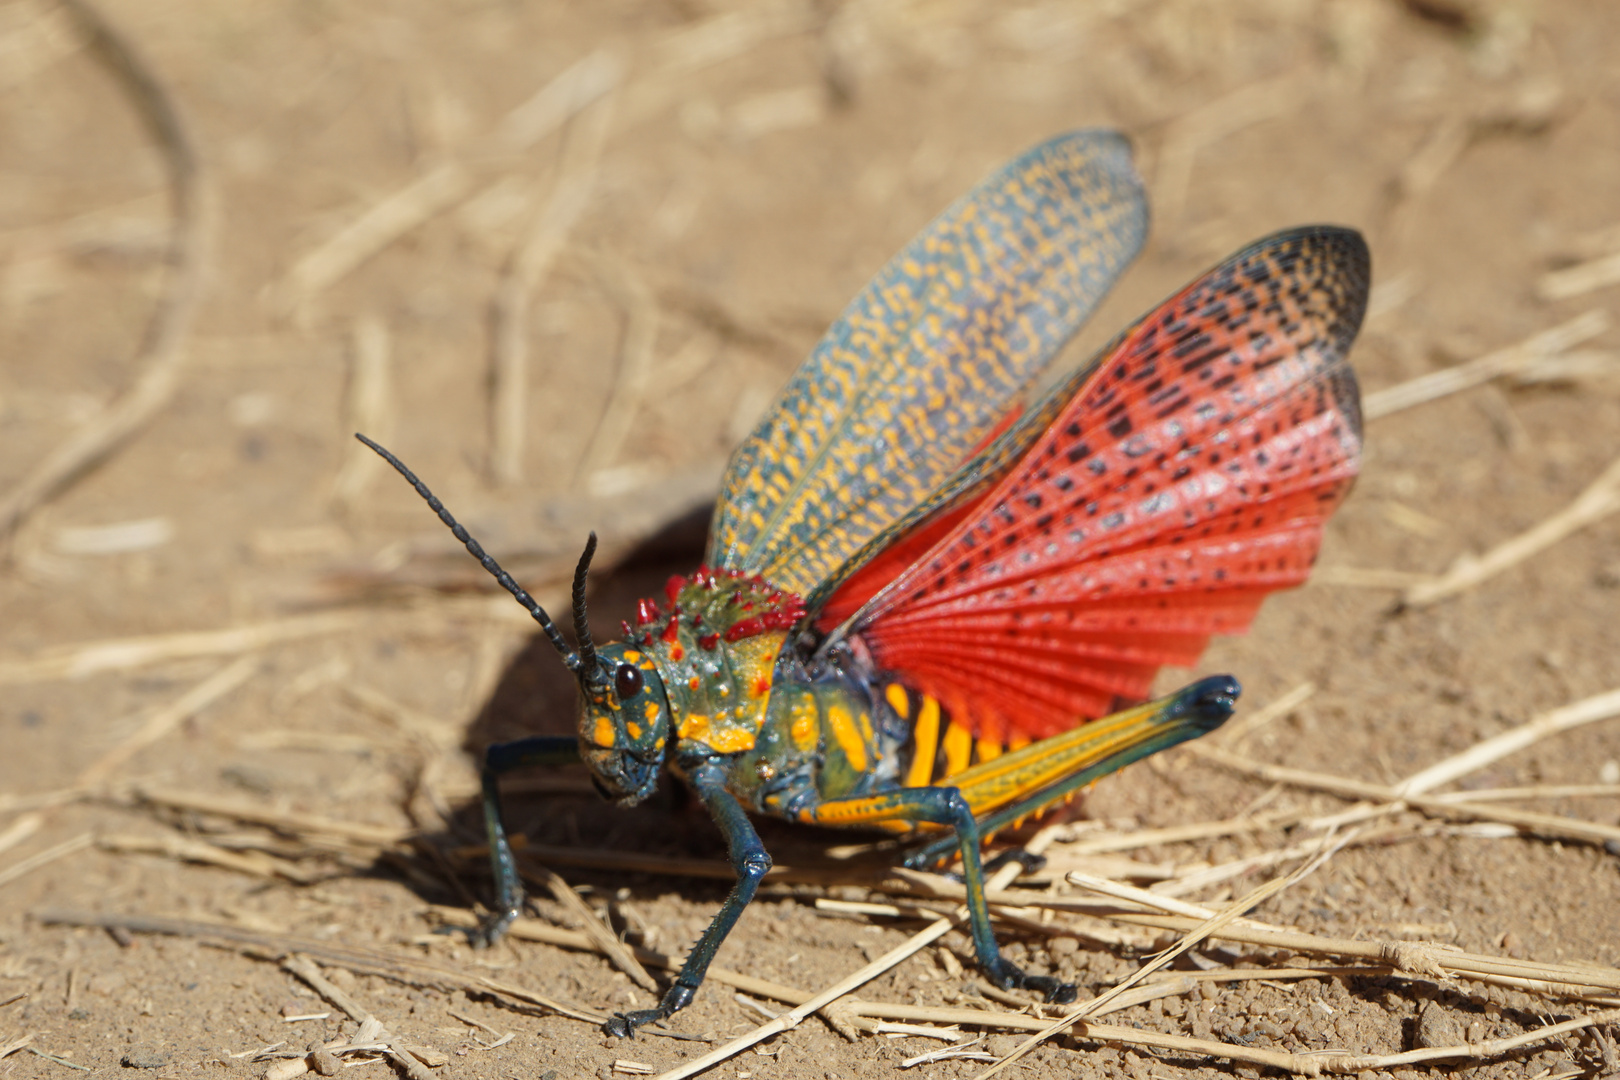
(627, 681)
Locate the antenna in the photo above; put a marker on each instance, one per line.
(571, 660)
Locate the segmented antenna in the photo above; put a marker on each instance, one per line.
(582, 628)
(571, 659)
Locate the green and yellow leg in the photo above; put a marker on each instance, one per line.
(1013, 786)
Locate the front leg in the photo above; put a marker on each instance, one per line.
(749, 859)
(498, 759)
(947, 806)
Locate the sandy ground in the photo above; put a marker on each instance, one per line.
(663, 237)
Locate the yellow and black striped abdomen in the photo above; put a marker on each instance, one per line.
(940, 746)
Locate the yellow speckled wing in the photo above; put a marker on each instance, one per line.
(929, 358)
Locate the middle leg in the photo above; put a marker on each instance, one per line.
(946, 806)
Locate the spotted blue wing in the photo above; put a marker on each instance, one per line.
(929, 359)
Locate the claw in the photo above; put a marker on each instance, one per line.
(1010, 976)
(624, 1024)
(1031, 864)
(492, 929)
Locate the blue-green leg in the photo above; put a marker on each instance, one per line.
(498, 759)
(946, 806)
(752, 863)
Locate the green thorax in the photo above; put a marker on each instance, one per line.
(716, 648)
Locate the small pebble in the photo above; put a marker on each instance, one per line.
(1002, 1045)
(1436, 1026)
(146, 1057)
(1063, 946)
(430, 1057)
(325, 1062)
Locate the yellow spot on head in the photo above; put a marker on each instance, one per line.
(603, 734)
(634, 729)
(649, 712)
(695, 726)
(631, 656)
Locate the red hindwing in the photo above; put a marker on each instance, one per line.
(1189, 475)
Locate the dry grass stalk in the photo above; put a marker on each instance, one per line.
(444, 186)
(1489, 751)
(1445, 144)
(1204, 877)
(1367, 577)
(1543, 824)
(370, 409)
(159, 357)
(527, 268)
(518, 993)
(44, 858)
(164, 719)
(1600, 499)
(41, 800)
(255, 863)
(1576, 365)
(1233, 732)
(1171, 834)
(25, 826)
(384, 222)
(1411, 958)
(1210, 124)
(534, 930)
(372, 1034)
(1199, 933)
(1506, 361)
(83, 659)
(729, 35)
(281, 820)
(1410, 791)
(1538, 791)
(632, 862)
(641, 317)
(409, 970)
(600, 934)
(847, 985)
(1318, 1064)
(9, 1048)
(680, 53)
(424, 728)
(1582, 278)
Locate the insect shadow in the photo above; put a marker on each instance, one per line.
(558, 807)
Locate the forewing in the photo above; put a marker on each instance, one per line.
(929, 359)
(1190, 474)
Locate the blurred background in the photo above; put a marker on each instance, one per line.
(561, 256)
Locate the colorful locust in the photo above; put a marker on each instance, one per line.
(918, 586)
